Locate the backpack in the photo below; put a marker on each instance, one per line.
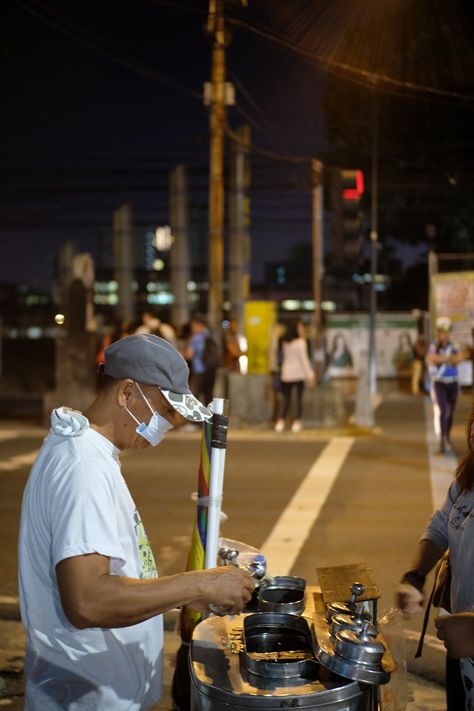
(211, 359)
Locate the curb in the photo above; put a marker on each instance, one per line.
(9, 608)
(431, 665)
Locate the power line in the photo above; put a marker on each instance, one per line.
(82, 36)
(180, 7)
(268, 154)
(273, 134)
(354, 74)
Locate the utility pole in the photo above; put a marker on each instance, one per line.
(239, 221)
(123, 259)
(179, 255)
(66, 254)
(318, 267)
(373, 252)
(217, 99)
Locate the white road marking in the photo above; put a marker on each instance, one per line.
(442, 467)
(18, 461)
(292, 529)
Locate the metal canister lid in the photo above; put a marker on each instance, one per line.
(360, 648)
(353, 623)
(337, 608)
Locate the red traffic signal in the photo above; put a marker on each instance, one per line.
(345, 190)
(352, 184)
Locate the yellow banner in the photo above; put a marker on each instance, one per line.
(260, 317)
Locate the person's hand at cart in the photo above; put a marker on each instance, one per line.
(457, 633)
(222, 591)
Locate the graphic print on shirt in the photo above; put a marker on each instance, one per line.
(467, 670)
(146, 556)
(461, 512)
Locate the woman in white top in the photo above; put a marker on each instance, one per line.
(296, 369)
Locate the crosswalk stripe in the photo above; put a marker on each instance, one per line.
(292, 529)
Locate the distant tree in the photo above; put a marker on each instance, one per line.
(412, 290)
(426, 162)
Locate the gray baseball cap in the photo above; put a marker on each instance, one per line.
(150, 359)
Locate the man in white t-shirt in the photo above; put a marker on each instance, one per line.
(90, 598)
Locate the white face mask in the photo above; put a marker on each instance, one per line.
(156, 428)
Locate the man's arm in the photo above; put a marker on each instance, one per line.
(91, 597)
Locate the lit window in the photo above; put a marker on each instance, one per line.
(163, 238)
(34, 332)
(161, 298)
(328, 306)
(291, 304)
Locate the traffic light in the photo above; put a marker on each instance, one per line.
(345, 188)
(352, 185)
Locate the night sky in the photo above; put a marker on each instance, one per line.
(100, 100)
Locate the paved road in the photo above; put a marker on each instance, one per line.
(315, 499)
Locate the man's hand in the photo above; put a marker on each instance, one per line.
(223, 590)
(457, 633)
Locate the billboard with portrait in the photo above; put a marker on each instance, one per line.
(452, 295)
(347, 344)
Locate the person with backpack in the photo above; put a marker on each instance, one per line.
(203, 354)
(443, 359)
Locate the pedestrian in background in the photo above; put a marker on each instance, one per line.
(419, 355)
(231, 347)
(296, 369)
(452, 527)
(150, 323)
(443, 358)
(402, 360)
(274, 367)
(203, 355)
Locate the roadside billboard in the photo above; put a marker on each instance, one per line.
(347, 339)
(452, 295)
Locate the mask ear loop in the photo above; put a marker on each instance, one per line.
(131, 415)
(143, 396)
